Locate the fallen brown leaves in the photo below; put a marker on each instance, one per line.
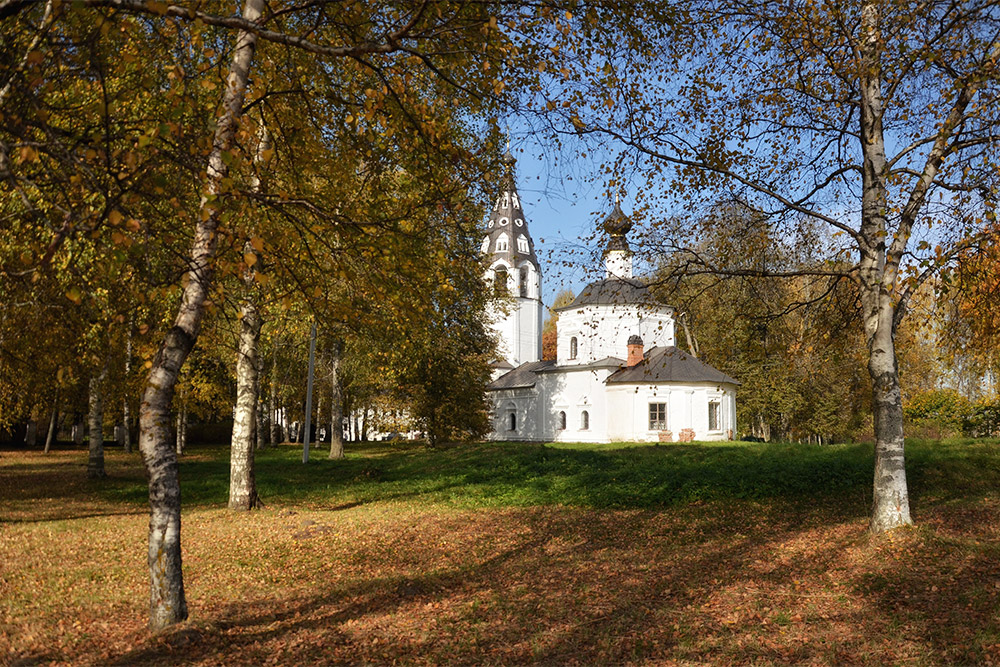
(403, 582)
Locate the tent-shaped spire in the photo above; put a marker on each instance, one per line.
(507, 235)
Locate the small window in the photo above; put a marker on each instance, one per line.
(505, 204)
(572, 347)
(562, 421)
(522, 244)
(522, 283)
(511, 421)
(517, 202)
(713, 415)
(500, 280)
(504, 222)
(657, 416)
(486, 245)
(502, 243)
(584, 420)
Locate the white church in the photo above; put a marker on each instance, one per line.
(618, 375)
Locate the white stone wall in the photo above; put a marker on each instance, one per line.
(518, 323)
(603, 331)
(616, 412)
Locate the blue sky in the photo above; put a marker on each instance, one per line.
(563, 205)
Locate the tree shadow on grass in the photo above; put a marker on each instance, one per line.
(577, 586)
(739, 585)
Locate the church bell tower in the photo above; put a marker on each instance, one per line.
(512, 269)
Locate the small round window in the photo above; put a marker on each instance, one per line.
(518, 222)
(503, 222)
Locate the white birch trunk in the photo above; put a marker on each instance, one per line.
(890, 499)
(95, 460)
(336, 406)
(126, 416)
(272, 402)
(242, 482)
(167, 603)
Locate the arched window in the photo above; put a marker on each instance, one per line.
(522, 283)
(486, 245)
(584, 420)
(503, 244)
(572, 347)
(562, 421)
(500, 280)
(522, 244)
(511, 421)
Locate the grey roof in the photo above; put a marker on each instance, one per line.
(612, 291)
(502, 365)
(669, 364)
(521, 377)
(606, 362)
(507, 216)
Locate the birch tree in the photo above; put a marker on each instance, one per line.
(877, 120)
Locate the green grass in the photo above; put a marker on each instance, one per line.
(584, 475)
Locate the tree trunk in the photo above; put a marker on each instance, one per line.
(167, 604)
(890, 506)
(126, 416)
(53, 420)
(272, 401)
(336, 405)
(181, 431)
(260, 427)
(242, 483)
(890, 496)
(95, 462)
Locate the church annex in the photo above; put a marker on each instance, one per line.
(618, 375)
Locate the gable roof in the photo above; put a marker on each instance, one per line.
(521, 377)
(669, 364)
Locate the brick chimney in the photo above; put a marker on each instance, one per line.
(634, 351)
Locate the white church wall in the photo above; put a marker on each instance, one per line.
(686, 406)
(603, 331)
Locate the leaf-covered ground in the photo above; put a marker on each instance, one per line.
(510, 554)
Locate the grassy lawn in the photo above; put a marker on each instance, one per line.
(504, 553)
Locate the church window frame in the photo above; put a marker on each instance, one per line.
(584, 420)
(503, 243)
(573, 347)
(486, 246)
(500, 280)
(657, 416)
(504, 222)
(562, 420)
(522, 244)
(512, 421)
(714, 415)
(515, 200)
(522, 282)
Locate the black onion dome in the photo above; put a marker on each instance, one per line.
(635, 339)
(617, 225)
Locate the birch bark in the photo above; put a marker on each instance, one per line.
(336, 405)
(95, 460)
(167, 604)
